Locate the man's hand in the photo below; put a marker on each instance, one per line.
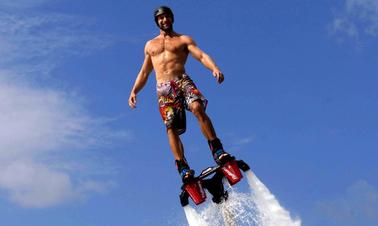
(218, 75)
(132, 100)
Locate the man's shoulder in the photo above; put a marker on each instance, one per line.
(183, 36)
(151, 41)
(186, 38)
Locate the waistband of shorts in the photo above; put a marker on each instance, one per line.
(182, 76)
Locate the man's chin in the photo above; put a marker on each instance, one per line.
(166, 29)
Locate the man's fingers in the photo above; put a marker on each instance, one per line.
(132, 102)
(220, 78)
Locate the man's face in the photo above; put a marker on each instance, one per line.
(165, 22)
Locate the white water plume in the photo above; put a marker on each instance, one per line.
(260, 208)
(194, 218)
(270, 212)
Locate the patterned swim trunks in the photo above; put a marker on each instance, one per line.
(174, 97)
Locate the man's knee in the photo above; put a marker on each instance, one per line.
(197, 109)
(172, 131)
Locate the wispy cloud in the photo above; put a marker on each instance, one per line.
(37, 123)
(38, 119)
(357, 206)
(236, 142)
(43, 128)
(30, 184)
(39, 42)
(357, 19)
(21, 4)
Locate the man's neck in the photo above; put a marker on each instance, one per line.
(169, 33)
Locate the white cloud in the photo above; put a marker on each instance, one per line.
(357, 19)
(237, 142)
(42, 128)
(357, 206)
(35, 185)
(36, 120)
(37, 43)
(342, 26)
(21, 4)
(245, 140)
(37, 123)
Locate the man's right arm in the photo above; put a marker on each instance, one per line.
(203, 58)
(141, 78)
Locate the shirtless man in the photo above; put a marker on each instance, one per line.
(167, 54)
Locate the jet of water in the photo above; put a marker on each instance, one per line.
(270, 212)
(260, 208)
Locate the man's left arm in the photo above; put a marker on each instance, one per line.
(205, 59)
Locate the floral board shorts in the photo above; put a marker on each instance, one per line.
(174, 97)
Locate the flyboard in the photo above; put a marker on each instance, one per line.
(211, 179)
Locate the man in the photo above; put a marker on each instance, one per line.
(167, 54)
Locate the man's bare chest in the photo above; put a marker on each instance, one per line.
(159, 47)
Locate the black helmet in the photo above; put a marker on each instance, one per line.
(162, 10)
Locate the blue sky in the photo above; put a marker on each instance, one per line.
(299, 104)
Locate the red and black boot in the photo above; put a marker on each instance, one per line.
(184, 170)
(219, 154)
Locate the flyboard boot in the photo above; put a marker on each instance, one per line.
(192, 186)
(219, 154)
(227, 167)
(227, 162)
(184, 170)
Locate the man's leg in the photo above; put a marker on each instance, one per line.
(204, 121)
(175, 144)
(178, 152)
(207, 128)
